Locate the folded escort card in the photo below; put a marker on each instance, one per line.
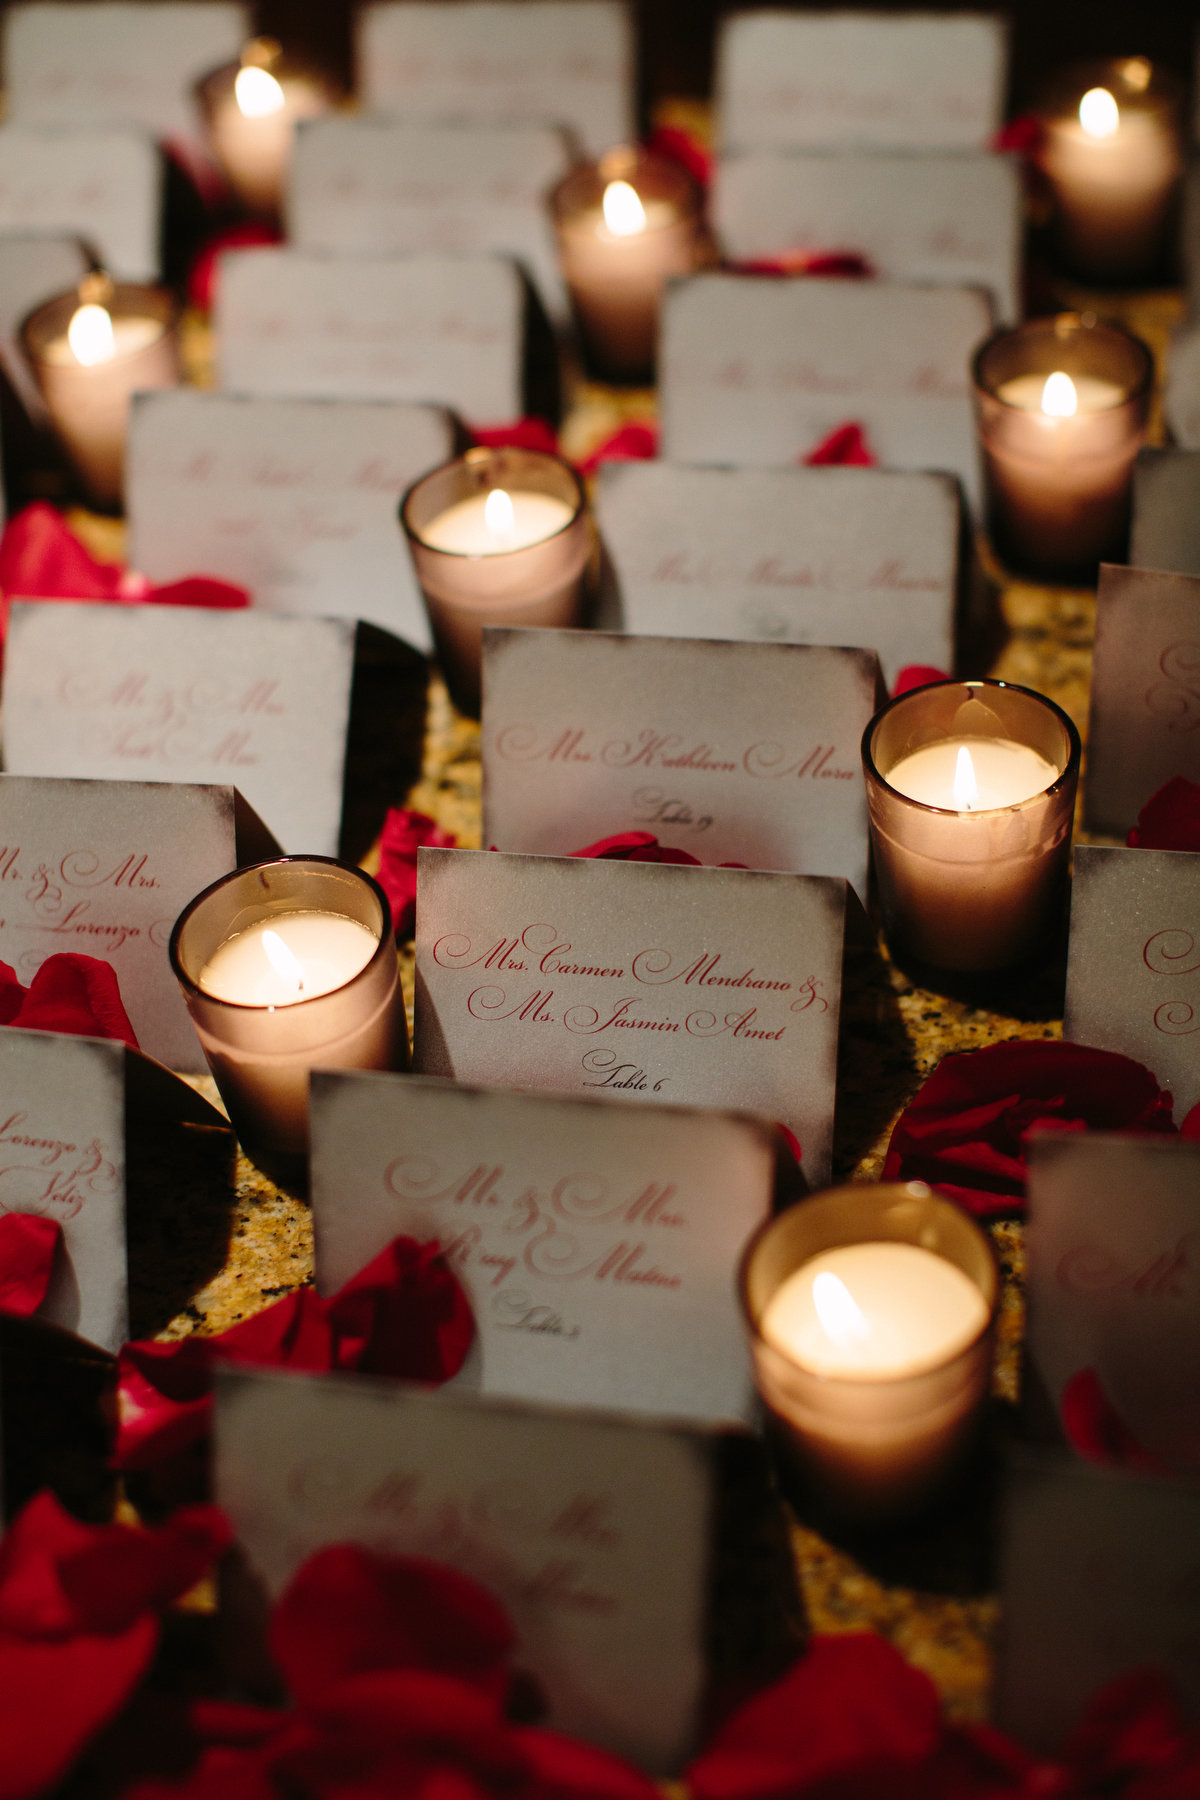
(597, 1241)
(435, 328)
(1113, 1336)
(88, 62)
(103, 186)
(79, 1119)
(1133, 969)
(757, 372)
(743, 753)
(33, 268)
(1098, 1578)
(721, 986)
(1145, 705)
(178, 693)
(533, 61)
(104, 868)
(1165, 532)
(801, 556)
(1181, 388)
(361, 185)
(920, 81)
(294, 500)
(949, 220)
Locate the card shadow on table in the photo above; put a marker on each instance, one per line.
(385, 742)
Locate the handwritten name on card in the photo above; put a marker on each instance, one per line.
(757, 372)
(176, 693)
(1145, 705)
(801, 556)
(432, 328)
(722, 986)
(858, 80)
(364, 185)
(596, 1241)
(952, 220)
(1133, 970)
(530, 60)
(1099, 1574)
(293, 499)
(33, 268)
(103, 186)
(1165, 532)
(592, 1531)
(104, 868)
(112, 64)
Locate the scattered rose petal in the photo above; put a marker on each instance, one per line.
(915, 675)
(684, 148)
(845, 447)
(27, 1247)
(522, 434)
(76, 995)
(404, 833)
(1170, 819)
(634, 442)
(1093, 1427)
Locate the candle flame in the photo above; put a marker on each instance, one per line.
(1059, 399)
(966, 788)
(286, 965)
(1099, 113)
(498, 513)
(90, 335)
(844, 1321)
(257, 92)
(624, 213)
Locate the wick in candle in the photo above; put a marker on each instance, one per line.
(287, 966)
(966, 787)
(842, 1318)
(624, 214)
(1099, 113)
(498, 514)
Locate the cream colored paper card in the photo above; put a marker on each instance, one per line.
(757, 373)
(953, 220)
(181, 694)
(441, 329)
(295, 500)
(103, 185)
(596, 1241)
(1166, 511)
(1181, 388)
(33, 267)
(919, 81)
(558, 62)
(801, 556)
(723, 986)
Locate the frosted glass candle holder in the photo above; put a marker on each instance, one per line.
(252, 123)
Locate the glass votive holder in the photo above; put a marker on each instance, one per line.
(90, 350)
(285, 967)
(625, 225)
(870, 1312)
(251, 109)
(497, 537)
(1061, 407)
(970, 801)
(1111, 153)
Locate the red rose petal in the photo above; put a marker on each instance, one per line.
(1093, 1427)
(530, 433)
(404, 833)
(845, 446)
(406, 1315)
(27, 1247)
(915, 675)
(78, 995)
(1170, 819)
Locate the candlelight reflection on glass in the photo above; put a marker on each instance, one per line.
(869, 1311)
(1061, 406)
(252, 108)
(970, 800)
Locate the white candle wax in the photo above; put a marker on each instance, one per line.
(287, 958)
(1112, 187)
(1092, 394)
(128, 335)
(465, 528)
(1002, 773)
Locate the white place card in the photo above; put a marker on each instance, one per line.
(69, 1107)
(723, 986)
(757, 372)
(949, 220)
(564, 62)
(102, 185)
(1133, 972)
(798, 556)
(361, 185)
(917, 81)
(295, 500)
(1099, 1573)
(441, 329)
(1181, 389)
(178, 693)
(104, 868)
(33, 268)
(594, 1532)
(1145, 705)
(1166, 511)
(745, 753)
(1114, 1303)
(596, 1241)
(88, 62)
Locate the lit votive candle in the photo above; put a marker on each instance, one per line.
(497, 537)
(870, 1312)
(285, 967)
(626, 225)
(90, 351)
(252, 108)
(1061, 406)
(1111, 153)
(970, 800)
